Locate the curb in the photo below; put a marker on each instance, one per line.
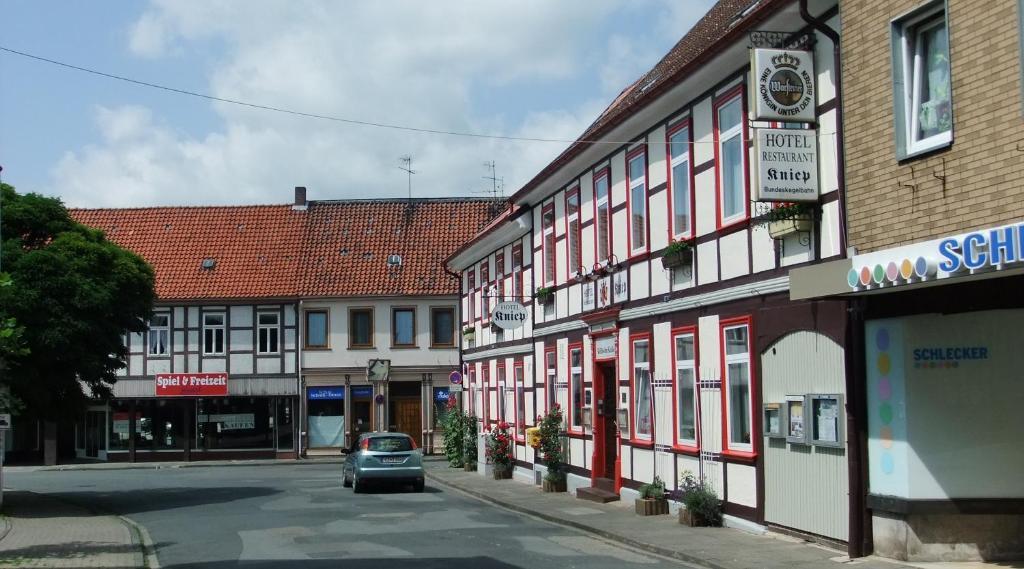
(171, 466)
(146, 557)
(633, 543)
(6, 529)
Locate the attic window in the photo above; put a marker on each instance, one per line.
(368, 255)
(209, 264)
(344, 250)
(394, 260)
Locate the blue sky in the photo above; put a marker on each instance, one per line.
(521, 68)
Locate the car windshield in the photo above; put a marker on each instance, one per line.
(390, 444)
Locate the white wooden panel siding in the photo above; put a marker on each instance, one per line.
(763, 248)
(704, 210)
(735, 256)
(707, 262)
(161, 365)
(638, 285)
(829, 229)
(799, 479)
(742, 483)
(242, 363)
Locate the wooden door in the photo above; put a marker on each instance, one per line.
(407, 418)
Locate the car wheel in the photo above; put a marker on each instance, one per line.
(346, 481)
(418, 486)
(357, 486)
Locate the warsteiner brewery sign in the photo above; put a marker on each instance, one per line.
(509, 315)
(787, 165)
(783, 85)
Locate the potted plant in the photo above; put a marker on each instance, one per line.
(469, 333)
(701, 506)
(789, 218)
(499, 450)
(550, 448)
(454, 443)
(652, 500)
(469, 432)
(677, 254)
(543, 294)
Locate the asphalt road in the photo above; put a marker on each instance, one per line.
(300, 516)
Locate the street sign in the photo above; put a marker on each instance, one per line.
(5, 421)
(455, 388)
(455, 378)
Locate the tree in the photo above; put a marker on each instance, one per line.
(72, 296)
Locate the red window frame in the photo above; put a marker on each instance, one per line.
(754, 426)
(500, 381)
(676, 443)
(550, 379)
(573, 236)
(637, 252)
(471, 378)
(633, 339)
(485, 282)
(548, 265)
(687, 125)
(603, 174)
(519, 433)
(517, 271)
(571, 411)
(729, 96)
(471, 301)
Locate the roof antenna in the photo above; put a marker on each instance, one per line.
(407, 168)
(497, 184)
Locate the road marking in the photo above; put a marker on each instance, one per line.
(591, 546)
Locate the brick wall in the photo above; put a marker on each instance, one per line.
(983, 168)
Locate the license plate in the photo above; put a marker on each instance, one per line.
(393, 459)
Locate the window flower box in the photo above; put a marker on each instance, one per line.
(469, 333)
(786, 219)
(783, 227)
(677, 254)
(543, 294)
(652, 500)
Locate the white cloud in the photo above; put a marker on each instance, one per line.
(405, 62)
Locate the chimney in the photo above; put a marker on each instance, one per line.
(300, 198)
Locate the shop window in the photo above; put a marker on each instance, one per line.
(738, 412)
(159, 334)
(442, 327)
(120, 426)
(325, 411)
(360, 327)
(572, 229)
(602, 213)
(679, 159)
(923, 89)
(316, 329)
(576, 388)
(235, 423)
(686, 390)
(643, 398)
(160, 424)
(285, 424)
(269, 332)
(517, 369)
(213, 333)
(548, 231)
(731, 158)
(440, 399)
(403, 327)
(637, 165)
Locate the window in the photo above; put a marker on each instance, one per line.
(686, 390)
(923, 90)
(269, 332)
(572, 228)
(476, 400)
(679, 162)
(550, 376)
(159, 334)
(643, 396)
(576, 387)
(360, 327)
(500, 378)
(316, 329)
(602, 213)
(485, 289)
(738, 412)
(403, 327)
(509, 405)
(471, 292)
(442, 326)
(517, 271)
(213, 333)
(548, 224)
(520, 400)
(731, 157)
(637, 165)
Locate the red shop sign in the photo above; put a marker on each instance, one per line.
(191, 384)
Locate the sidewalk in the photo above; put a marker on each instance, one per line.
(39, 531)
(716, 548)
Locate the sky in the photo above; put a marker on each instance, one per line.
(522, 68)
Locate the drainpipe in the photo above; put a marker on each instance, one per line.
(859, 530)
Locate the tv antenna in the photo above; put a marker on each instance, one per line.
(497, 184)
(407, 168)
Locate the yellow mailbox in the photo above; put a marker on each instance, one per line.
(533, 436)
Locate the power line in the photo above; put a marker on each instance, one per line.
(323, 117)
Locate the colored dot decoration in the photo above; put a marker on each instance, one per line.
(884, 386)
(884, 389)
(888, 464)
(884, 364)
(885, 433)
(892, 273)
(885, 413)
(882, 339)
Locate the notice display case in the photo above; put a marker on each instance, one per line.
(827, 419)
(796, 419)
(773, 423)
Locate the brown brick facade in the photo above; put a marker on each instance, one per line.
(892, 203)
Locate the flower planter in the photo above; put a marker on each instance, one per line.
(677, 259)
(502, 472)
(469, 467)
(692, 519)
(469, 336)
(556, 486)
(651, 506)
(783, 227)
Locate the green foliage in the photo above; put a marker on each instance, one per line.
(469, 434)
(654, 489)
(699, 498)
(73, 294)
(453, 423)
(550, 444)
(678, 247)
(499, 446)
(796, 210)
(542, 294)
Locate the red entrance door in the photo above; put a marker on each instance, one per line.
(605, 441)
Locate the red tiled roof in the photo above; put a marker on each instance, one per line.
(273, 251)
(349, 243)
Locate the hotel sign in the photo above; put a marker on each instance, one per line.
(783, 87)
(509, 315)
(787, 165)
(191, 384)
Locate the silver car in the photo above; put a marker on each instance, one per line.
(383, 457)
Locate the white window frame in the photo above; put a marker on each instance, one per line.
(637, 368)
(216, 330)
(638, 184)
(723, 137)
(683, 158)
(271, 331)
(727, 388)
(602, 203)
(520, 399)
(573, 236)
(575, 379)
(683, 365)
(551, 375)
(548, 250)
(907, 75)
(158, 332)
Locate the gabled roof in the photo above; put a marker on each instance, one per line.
(332, 248)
